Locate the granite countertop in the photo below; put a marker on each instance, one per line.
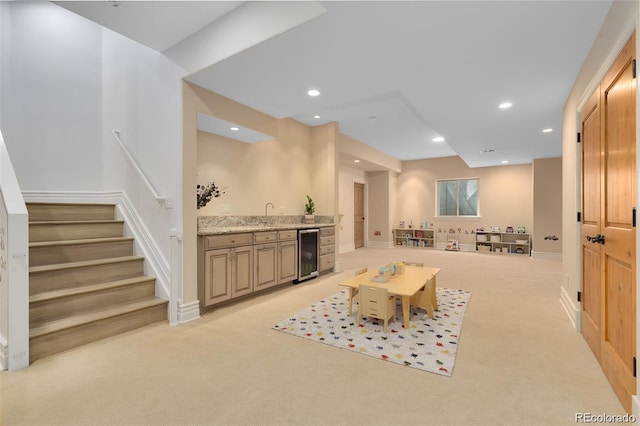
(221, 230)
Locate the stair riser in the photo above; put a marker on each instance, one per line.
(76, 277)
(55, 309)
(45, 212)
(74, 231)
(50, 344)
(39, 256)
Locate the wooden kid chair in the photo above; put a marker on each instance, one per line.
(354, 292)
(375, 302)
(425, 298)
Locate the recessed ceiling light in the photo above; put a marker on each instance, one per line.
(547, 130)
(504, 161)
(505, 105)
(313, 92)
(356, 161)
(438, 139)
(235, 129)
(316, 116)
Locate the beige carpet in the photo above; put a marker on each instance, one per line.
(519, 362)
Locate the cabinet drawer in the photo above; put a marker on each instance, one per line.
(230, 240)
(327, 262)
(327, 241)
(290, 234)
(327, 250)
(328, 231)
(265, 237)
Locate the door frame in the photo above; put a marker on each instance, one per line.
(365, 207)
(632, 25)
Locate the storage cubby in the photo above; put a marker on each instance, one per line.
(503, 242)
(414, 237)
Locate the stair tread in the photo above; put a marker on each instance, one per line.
(67, 292)
(77, 320)
(71, 265)
(73, 222)
(78, 242)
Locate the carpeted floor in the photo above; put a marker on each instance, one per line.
(520, 362)
(428, 344)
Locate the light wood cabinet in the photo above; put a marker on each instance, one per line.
(227, 269)
(241, 271)
(234, 265)
(287, 256)
(265, 265)
(217, 276)
(327, 248)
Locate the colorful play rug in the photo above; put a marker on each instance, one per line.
(428, 344)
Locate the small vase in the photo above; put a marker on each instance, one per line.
(309, 218)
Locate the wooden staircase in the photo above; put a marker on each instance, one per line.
(85, 283)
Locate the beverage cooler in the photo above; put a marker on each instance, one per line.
(308, 250)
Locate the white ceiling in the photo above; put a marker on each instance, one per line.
(396, 74)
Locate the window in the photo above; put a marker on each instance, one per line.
(458, 197)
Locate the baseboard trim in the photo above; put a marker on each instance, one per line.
(380, 244)
(546, 255)
(4, 365)
(345, 248)
(570, 308)
(188, 311)
(155, 263)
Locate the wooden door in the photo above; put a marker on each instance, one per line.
(592, 294)
(618, 248)
(608, 241)
(358, 215)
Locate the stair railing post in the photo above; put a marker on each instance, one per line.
(176, 275)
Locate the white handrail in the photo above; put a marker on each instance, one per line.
(164, 201)
(14, 268)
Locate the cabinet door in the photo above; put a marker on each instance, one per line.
(288, 261)
(217, 276)
(265, 266)
(242, 281)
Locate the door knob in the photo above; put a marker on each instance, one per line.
(596, 239)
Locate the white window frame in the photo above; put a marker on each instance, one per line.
(457, 216)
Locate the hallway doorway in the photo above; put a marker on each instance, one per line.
(358, 215)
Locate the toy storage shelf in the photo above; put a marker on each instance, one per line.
(503, 242)
(409, 237)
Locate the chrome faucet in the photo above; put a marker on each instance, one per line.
(265, 212)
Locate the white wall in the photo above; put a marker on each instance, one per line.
(142, 99)
(51, 97)
(66, 83)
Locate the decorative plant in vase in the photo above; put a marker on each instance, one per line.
(206, 192)
(309, 209)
